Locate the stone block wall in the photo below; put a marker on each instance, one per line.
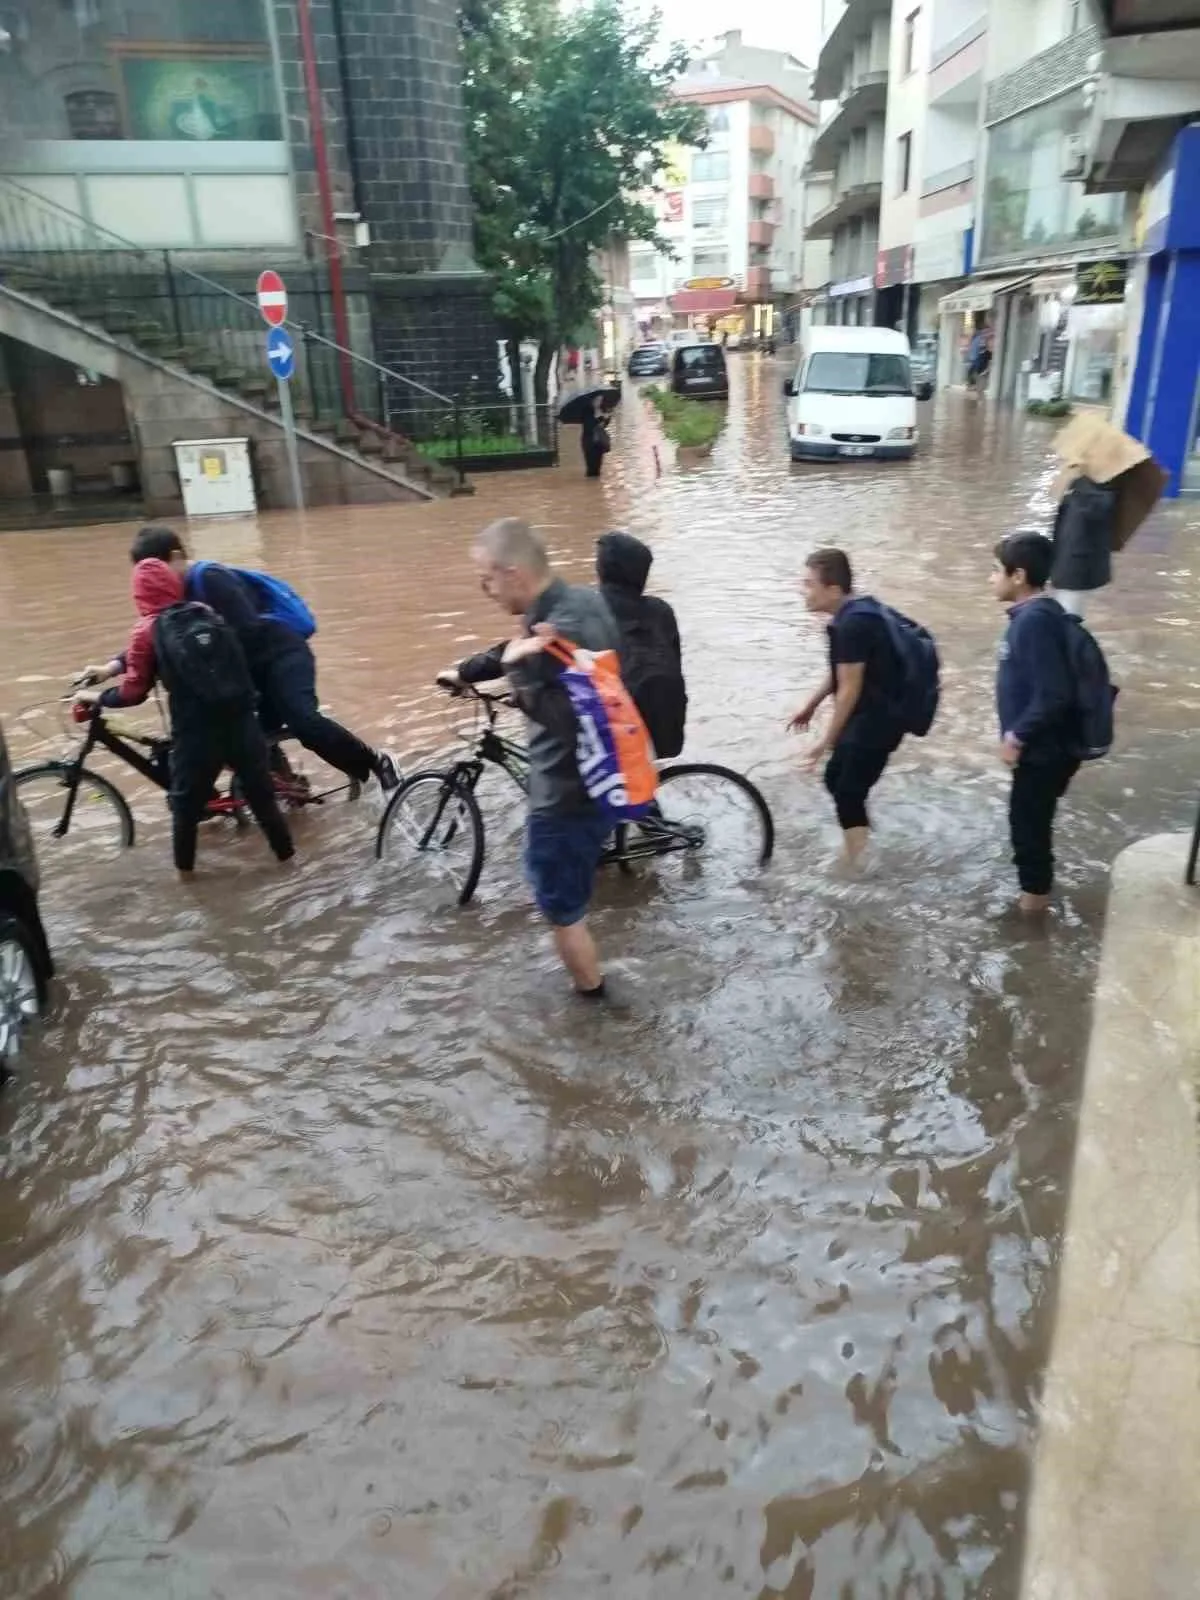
(1048, 73)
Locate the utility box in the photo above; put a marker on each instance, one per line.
(215, 477)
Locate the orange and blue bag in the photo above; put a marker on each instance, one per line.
(612, 746)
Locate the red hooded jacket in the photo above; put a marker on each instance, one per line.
(155, 587)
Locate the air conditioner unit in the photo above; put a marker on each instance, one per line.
(1074, 157)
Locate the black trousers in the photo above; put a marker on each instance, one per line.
(287, 682)
(1037, 787)
(593, 456)
(200, 749)
(851, 772)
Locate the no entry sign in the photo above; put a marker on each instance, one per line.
(272, 298)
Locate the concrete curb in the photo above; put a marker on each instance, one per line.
(1116, 1486)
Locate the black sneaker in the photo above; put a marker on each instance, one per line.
(386, 771)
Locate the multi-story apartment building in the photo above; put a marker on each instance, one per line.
(1036, 227)
(732, 212)
(848, 159)
(1141, 133)
(936, 70)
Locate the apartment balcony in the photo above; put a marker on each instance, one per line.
(760, 231)
(942, 191)
(865, 100)
(762, 140)
(762, 186)
(758, 284)
(1148, 91)
(956, 67)
(838, 49)
(856, 200)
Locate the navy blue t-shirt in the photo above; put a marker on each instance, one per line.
(859, 635)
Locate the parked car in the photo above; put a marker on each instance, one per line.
(699, 371)
(853, 394)
(26, 966)
(651, 360)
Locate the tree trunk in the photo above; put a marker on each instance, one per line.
(541, 372)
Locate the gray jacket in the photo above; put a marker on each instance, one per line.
(581, 616)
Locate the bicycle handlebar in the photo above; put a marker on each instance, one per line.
(469, 691)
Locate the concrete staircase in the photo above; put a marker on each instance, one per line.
(196, 389)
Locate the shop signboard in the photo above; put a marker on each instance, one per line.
(894, 266)
(1099, 283)
(705, 285)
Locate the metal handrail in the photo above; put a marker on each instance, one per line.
(213, 285)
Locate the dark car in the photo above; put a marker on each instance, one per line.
(699, 371)
(650, 361)
(26, 966)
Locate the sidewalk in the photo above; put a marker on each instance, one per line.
(1116, 1489)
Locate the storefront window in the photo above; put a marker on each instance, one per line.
(183, 71)
(1028, 207)
(1095, 334)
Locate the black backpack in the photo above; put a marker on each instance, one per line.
(915, 700)
(1095, 693)
(200, 658)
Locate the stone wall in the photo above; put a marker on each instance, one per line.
(391, 94)
(1048, 73)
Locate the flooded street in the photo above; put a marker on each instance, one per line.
(346, 1256)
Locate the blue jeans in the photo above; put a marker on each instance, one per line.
(562, 852)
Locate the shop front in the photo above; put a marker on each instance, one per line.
(1163, 409)
(981, 306)
(852, 302)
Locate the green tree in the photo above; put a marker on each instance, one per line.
(569, 115)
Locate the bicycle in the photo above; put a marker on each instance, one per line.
(434, 812)
(68, 797)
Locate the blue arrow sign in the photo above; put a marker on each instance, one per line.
(281, 353)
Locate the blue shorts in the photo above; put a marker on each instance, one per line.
(562, 852)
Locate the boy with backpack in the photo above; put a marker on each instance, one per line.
(1055, 703)
(273, 626)
(214, 721)
(883, 677)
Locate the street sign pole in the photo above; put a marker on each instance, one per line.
(289, 436)
(281, 358)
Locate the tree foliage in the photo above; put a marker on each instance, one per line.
(569, 115)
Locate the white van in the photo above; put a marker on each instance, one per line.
(853, 395)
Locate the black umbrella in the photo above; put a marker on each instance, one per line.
(577, 407)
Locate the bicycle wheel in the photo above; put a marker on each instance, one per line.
(100, 826)
(707, 815)
(434, 818)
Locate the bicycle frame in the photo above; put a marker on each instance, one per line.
(653, 837)
(123, 747)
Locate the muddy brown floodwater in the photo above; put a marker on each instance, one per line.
(345, 1256)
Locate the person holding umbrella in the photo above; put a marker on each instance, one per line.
(591, 411)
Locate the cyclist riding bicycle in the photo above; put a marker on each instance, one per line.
(279, 657)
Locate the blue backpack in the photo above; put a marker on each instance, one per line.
(915, 699)
(1095, 694)
(274, 599)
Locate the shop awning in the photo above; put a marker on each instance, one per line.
(979, 296)
(709, 301)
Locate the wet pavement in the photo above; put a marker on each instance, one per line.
(346, 1256)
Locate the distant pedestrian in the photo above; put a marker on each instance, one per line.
(1037, 701)
(863, 679)
(595, 437)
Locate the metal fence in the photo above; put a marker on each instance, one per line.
(178, 313)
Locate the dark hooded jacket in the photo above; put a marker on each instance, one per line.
(651, 661)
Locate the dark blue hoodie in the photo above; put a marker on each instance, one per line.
(1035, 689)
